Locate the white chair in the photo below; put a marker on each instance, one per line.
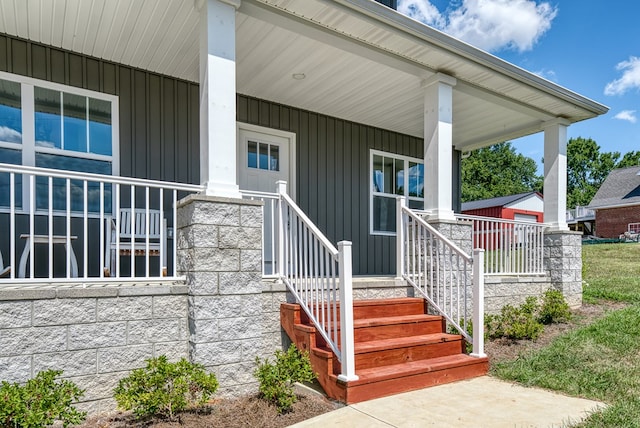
(122, 241)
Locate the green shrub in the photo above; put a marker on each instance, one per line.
(163, 388)
(277, 379)
(40, 402)
(554, 308)
(514, 323)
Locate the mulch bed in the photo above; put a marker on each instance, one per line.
(244, 412)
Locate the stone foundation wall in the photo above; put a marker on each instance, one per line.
(512, 290)
(95, 335)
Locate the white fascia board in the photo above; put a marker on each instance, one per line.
(386, 16)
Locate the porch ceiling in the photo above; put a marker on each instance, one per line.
(362, 61)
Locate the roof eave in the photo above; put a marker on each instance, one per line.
(403, 23)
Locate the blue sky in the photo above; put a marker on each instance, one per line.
(591, 47)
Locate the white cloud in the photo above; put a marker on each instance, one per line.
(547, 74)
(630, 77)
(628, 115)
(488, 24)
(10, 135)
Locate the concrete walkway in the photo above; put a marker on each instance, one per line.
(480, 402)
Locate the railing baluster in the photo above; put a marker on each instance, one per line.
(68, 249)
(147, 230)
(132, 229)
(32, 211)
(12, 221)
(101, 226)
(85, 230)
(117, 232)
(50, 224)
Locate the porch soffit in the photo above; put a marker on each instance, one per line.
(362, 62)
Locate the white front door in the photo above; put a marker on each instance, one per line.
(264, 159)
(266, 156)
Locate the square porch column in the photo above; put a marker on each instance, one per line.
(218, 97)
(555, 175)
(438, 146)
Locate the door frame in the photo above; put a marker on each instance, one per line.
(290, 136)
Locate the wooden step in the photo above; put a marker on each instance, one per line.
(393, 379)
(398, 347)
(396, 326)
(379, 353)
(378, 308)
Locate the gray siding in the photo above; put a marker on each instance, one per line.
(158, 115)
(333, 174)
(159, 139)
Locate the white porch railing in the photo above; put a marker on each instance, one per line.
(511, 247)
(269, 229)
(580, 213)
(91, 216)
(317, 274)
(450, 280)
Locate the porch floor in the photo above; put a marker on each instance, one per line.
(478, 402)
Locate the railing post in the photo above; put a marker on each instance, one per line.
(281, 189)
(346, 314)
(478, 303)
(401, 202)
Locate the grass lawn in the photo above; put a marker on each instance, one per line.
(600, 361)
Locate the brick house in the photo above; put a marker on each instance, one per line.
(617, 202)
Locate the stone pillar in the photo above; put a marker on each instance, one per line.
(220, 253)
(438, 145)
(218, 97)
(563, 261)
(555, 174)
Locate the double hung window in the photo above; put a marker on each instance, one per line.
(49, 125)
(392, 176)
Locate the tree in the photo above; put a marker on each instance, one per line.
(587, 168)
(498, 171)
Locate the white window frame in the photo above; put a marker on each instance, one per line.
(372, 193)
(28, 147)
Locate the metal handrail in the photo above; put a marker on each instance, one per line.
(449, 279)
(319, 275)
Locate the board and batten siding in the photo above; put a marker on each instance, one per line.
(332, 174)
(159, 137)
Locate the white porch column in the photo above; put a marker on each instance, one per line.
(555, 174)
(438, 146)
(218, 97)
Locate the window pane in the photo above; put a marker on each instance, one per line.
(274, 163)
(384, 214)
(378, 178)
(388, 175)
(399, 188)
(416, 204)
(47, 120)
(59, 185)
(416, 179)
(13, 157)
(252, 150)
(10, 116)
(100, 127)
(75, 122)
(263, 154)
